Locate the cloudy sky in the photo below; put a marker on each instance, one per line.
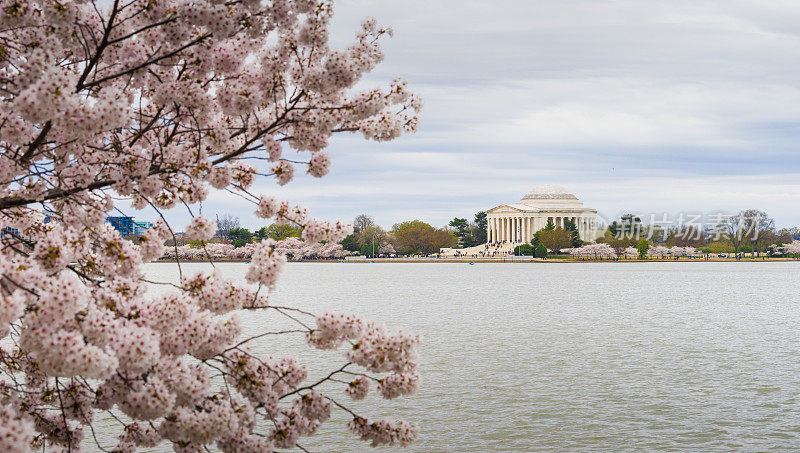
(633, 105)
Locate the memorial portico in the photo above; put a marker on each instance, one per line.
(518, 222)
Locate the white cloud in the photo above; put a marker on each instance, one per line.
(633, 104)
(646, 113)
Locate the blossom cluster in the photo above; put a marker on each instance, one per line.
(606, 251)
(263, 381)
(292, 248)
(384, 432)
(593, 251)
(316, 231)
(358, 388)
(281, 210)
(630, 252)
(792, 248)
(380, 351)
(682, 251)
(266, 264)
(334, 329)
(16, 431)
(215, 294)
(660, 251)
(201, 229)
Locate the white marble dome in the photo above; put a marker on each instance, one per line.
(549, 192)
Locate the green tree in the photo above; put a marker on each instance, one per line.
(550, 225)
(371, 234)
(524, 250)
(535, 239)
(416, 236)
(479, 229)
(613, 228)
(261, 233)
(541, 251)
(283, 231)
(350, 243)
(555, 239)
(719, 247)
(570, 226)
(367, 249)
(618, 242)
(461, 227)
(642, 246)
(240, 236)
(630, 226)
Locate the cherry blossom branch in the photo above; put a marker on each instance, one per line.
(100, 47)
(82, 86)
(321, 381)
(262, 335)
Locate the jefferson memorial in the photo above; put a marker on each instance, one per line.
(517, 222)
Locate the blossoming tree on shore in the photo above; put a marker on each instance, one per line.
(658, 251)
(291, 248)
(593, 251)
(792, 248)
(677, 251)
(630, 252)
(159, 102)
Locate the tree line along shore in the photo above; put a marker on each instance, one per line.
(749, 235)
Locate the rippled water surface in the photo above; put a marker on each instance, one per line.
(589, 356)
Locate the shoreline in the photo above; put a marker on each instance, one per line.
(494, 260)
(547, 261)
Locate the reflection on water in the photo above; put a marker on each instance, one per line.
(591, 356)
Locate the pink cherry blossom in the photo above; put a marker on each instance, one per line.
(398, 384)
(266, 264)
(593, 251)
(631, 252)
(658, 251)
(284, 172)
(792, 249)
(201, 229)
(16, 431)
(384, 432)
(380, 351)
(358, 388)
(319, 165)
(333, 329)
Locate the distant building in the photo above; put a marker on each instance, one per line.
(518, 222)
(10, 231)
(124, 225)
(140, 227)
(50, 216)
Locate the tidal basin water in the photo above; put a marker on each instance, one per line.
(589, 356)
